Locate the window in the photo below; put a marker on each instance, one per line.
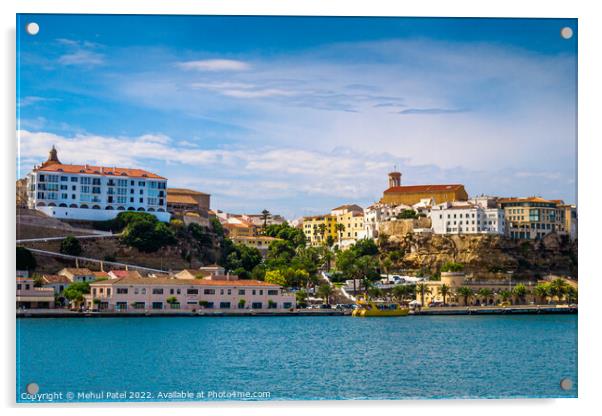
(84, 180)
(241, 291)
(256, 305)
(143, 291)
(74, 179)
(224, 305)
(122, 290)
(139, 305)
(157, 291)
(287, 305)
(209, 291)
(121, 306)
(157, 305)
(192, 292)
(273, 292)
(95, 181)
(174, 305)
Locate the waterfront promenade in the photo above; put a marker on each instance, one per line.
(457, 310)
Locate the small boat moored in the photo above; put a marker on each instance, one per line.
(379, 309)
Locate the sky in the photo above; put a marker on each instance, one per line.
(298, 115)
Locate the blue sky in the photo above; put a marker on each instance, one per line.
(299, 115)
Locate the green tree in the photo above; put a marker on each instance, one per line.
(466, 293)
(572, 295)
(275, 277)
(505, 295)
(541, 292)
(25, 259)
(265, 215)
(558, 288)
(340, 228)
(322, 231)
(325, 291)
(374, 293)
(171, 300)
(400, 292)
(285, 232)
(75, 292)
(485, 293)
(71, 246)
(148, 235)
(520, 291)
(301, 297)
(444, 291)
(241, 304)
(423, 289)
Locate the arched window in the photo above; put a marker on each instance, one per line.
(160, 210)
(52, 204)
(109, 207)
(96, 207)
(120, 209)
(73, 206)
(140, 209)
(41, 204)
(131, 209)
(151, 210)
(83, 206)
(63, 205)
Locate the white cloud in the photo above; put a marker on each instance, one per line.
(215, 65)
(81, 57)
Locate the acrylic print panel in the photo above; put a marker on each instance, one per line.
(220, 208)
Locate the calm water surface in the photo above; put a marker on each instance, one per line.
(302, 357)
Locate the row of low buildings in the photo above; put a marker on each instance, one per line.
(449, 211)
(207, 288)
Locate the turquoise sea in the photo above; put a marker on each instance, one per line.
(296, 358)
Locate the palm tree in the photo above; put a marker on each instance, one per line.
(423, 288)
(444, 291)
(541, 291)
(486, 294)
(322, 231)
(265, 214)
(505, 295)
(520, 291)
(571, 295)
(386, 265)
(558, 288)
(325, 291)
(374, 293)
(466, 293)
(399, 292)
(339, 229)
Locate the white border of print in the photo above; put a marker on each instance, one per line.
(590, 68)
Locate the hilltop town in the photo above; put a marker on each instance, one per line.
(140, 245)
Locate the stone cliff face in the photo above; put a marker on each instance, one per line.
(488, 256)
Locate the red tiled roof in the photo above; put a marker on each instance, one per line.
(54, 278)
(99, 170)
(160, 281)
(423, 188)
(530, 199)
(182, 191)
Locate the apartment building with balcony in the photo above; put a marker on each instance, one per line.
(94, 193)
(532, 218)
(476, 216)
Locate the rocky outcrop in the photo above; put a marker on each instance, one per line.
(487, 256)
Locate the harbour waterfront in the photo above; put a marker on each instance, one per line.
(296, 358)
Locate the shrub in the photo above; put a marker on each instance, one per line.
(407, 214)
(452, 266)
(71, 245)
(148, 235)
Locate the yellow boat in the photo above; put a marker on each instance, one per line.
(367, 309)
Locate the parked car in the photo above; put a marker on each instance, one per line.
(325, 306)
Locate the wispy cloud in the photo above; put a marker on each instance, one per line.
(32, 99)
(80, 53)
(431, 111)
(215, 65)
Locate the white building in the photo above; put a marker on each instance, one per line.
(94, 193)
(476, 216)
(378, 213)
